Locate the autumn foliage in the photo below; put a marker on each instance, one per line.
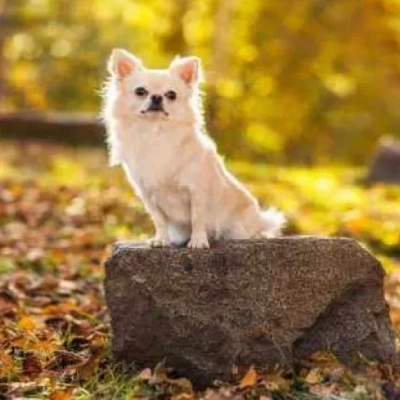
(305, 80)
(60, 210)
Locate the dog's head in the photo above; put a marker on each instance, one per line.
(155, 94)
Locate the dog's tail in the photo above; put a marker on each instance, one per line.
(273, 222)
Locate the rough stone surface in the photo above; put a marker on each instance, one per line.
(385, 163)
(262, 302)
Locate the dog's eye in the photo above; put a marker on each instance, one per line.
(141, 91)
(170, 95)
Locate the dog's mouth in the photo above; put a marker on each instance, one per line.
(154, 108)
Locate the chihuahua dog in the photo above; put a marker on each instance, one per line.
(155, 131)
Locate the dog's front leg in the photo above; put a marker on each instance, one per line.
(161, 238)
(198, 237)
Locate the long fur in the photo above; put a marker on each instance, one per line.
(172, 163)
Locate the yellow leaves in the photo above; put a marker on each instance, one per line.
(229, 88)
(273, 380)
(250, 379)
(27, 323)
(44, 346)
(356, 222)
(29, 342)
(341, 85)
(60, 395)
(265, 85)
(263, 138)
(247, 52)
(62, 308)
(6, 364)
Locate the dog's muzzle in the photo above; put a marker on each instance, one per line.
(156, 104)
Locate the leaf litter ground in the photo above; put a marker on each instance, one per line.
(60, 209)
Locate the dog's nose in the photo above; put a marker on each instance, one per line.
(156, 99)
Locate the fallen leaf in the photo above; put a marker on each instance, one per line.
(159, 374)
(250, 379)
(20, 387)
(27, 323)
(31, 366)
(275, 381)
(8, 304)
(88, 368)
(183, 383)
(63, 359)
(314, 376)
(60, 395)
(324, 359)
(6, 364)
(183, 396)
(144, 375)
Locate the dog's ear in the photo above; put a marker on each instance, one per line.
(188, 69)
(122, 63)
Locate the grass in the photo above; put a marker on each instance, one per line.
(61, 209)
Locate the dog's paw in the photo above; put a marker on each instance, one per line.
(198, 242)
(257, 236)
(160, 242)
(267, 235)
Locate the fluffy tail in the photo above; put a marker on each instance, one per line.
(274, 221)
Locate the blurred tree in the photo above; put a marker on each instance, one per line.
(306, 81)
(10, 21)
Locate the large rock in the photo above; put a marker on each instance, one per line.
(261, 302)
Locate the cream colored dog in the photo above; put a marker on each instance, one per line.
(155, 131)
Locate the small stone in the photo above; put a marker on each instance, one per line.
(385, 163)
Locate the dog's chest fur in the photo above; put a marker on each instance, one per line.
(150, 153)
(151, 156)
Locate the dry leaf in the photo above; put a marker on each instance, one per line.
(183, 396)
(324, 359)
(250, 379)
(88, 368)
(314, 376)
(60, 395)
(8, 305)
(31, 366)
(6, 364)
(183, 383)
(144, 375)
(160, 374)
(275, 381)
(27, 323)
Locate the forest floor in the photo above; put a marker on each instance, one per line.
(60, 211)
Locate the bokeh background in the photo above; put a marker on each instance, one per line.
(298, 94)
(305, 81)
